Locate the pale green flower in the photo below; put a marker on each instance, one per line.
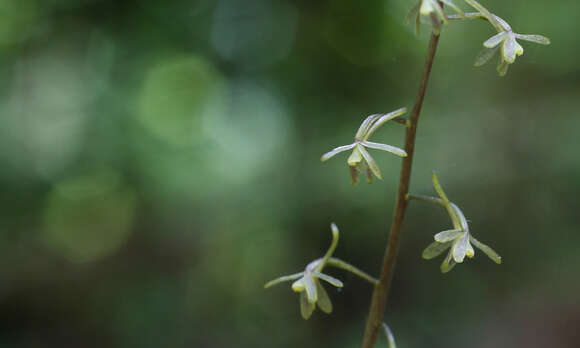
(504, 41)
(431, 12)
(307, 283)
(459, 240)
(361, 142)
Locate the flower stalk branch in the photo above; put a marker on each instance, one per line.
(381, 290)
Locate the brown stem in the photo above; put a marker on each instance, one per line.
(381, 290)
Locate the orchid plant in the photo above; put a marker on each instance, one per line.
(307, 283)
(458, 240)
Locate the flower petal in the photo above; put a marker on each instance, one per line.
(447, 264)
(365, 125)
(323, 300)
(502, 67)
(385, 147)
(310, 287)
(542, 40)
(510, 47)
(495, 40)
(370, 161)
(486, 249)
(329, 279)
(460, 248)
(446, 236)
(355, 157)
(435, 249)
(336, 151)
(413, 13)
(306, 308)
(283, 279)
(484, 56)
(382, 120)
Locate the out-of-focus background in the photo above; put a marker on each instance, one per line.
(159, 162)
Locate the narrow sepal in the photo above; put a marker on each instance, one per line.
(392, 149)
(382, 120)
(306, 308)
(487, 250)
(539, 39)
(323, 300)
(446, 236)
(370, 161)
(484, 56)
(331, 280)
(495, 40)
(336, 151)
(435, 249)
(502, 67)
(448, 263)
(283, 279)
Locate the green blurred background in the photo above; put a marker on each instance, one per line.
(159, 162)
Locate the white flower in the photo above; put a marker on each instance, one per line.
(359, 153)
(307, 283)
(504, 40)
(458, 240)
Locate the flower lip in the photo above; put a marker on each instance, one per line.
(298, 285)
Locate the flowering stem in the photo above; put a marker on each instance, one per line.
(428, 199)
(467, 15)
(381, 290)
(338, 263)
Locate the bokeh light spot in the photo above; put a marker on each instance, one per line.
(88, 217)
(44, 118)
(248, 133)
(174, 95)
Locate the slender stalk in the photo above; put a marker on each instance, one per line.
(381, 290)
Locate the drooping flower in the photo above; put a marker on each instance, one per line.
(307, 283)
(504, 41)
(359, 153)
(459, 240)
(431, 12)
